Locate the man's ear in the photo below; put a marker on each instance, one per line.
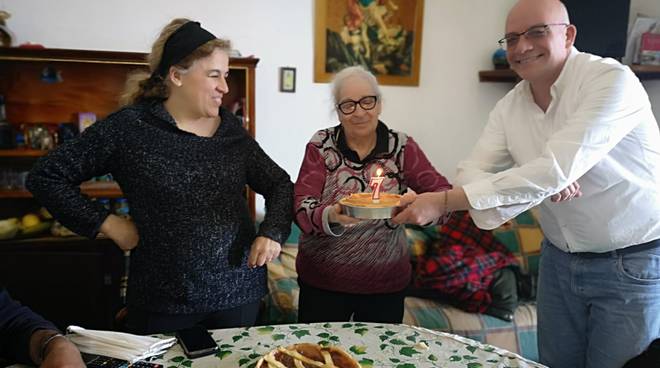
(174, 76)
(571, 33)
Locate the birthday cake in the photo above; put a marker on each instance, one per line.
(307, 355)
(364, 200)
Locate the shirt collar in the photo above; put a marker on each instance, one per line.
(559, 85)
(563, 79)
(382, 144)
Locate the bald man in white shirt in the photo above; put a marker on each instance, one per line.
(577, 138)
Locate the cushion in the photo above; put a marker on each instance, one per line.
(460, 263)
(281, 303)
(523, 237)
(518, 336)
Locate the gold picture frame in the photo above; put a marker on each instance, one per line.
(385, 36)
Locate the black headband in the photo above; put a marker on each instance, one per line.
(182, 43)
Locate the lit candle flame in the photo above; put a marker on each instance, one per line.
(375, 183)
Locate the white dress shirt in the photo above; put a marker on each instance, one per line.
(599, 130)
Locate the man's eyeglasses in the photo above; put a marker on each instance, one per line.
(366, 103)
(533, 33)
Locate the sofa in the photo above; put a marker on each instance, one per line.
(522, 236)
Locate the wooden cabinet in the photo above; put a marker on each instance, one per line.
(68, 281)
(51, 86)
(74, 280)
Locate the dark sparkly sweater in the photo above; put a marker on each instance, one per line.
(186, 199)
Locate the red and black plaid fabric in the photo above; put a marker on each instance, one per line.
(459, 264)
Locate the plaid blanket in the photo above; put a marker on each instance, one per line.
(459, 264)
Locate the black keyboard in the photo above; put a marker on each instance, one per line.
(100, 361)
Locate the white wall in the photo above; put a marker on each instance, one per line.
(445, 113)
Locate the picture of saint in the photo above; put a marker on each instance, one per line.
(380, 35)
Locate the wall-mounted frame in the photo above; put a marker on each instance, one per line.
(287, 79)
(383, 36)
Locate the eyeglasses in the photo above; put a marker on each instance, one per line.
(366, 103)
(533, 33)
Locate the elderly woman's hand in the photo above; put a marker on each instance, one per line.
(263, 250)
(336, 217)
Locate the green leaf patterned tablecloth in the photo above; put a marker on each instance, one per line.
(373, 345)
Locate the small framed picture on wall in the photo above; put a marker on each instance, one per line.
(287, 79)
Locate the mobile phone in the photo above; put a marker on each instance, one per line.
(196, 342)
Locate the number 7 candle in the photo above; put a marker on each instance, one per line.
(375, 184)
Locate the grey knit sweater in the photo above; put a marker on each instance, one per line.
(186, 196)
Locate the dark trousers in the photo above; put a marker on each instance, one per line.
(319, 305)
(143, 322)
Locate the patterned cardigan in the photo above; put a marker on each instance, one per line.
(370, 257)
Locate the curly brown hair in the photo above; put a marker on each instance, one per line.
(141, 85)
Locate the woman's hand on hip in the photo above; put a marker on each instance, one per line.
(122, 231)
(262, 251)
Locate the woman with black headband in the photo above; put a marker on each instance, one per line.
(183, 162)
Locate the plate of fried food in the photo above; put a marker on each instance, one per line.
(306, 355)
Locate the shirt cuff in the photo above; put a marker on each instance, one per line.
(331, 228)
(489, 209)
(481, 195)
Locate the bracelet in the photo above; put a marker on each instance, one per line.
(446, 214)
(44, 345)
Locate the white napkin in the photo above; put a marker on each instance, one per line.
(118, 345)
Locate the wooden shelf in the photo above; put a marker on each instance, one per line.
(646, 71)
(102, 190)
(55, 240)
(21, 152)
(15, 193)
(93, 189)
(498, 75)
(92, 56)
(643, 72)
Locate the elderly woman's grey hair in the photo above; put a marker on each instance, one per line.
(353, 71)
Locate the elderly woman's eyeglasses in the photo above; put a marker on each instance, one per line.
(366, 103)
(533, 33)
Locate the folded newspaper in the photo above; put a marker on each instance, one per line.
(118, 345)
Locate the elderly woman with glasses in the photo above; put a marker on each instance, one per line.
(347, 266)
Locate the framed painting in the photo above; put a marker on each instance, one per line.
(384, 36)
